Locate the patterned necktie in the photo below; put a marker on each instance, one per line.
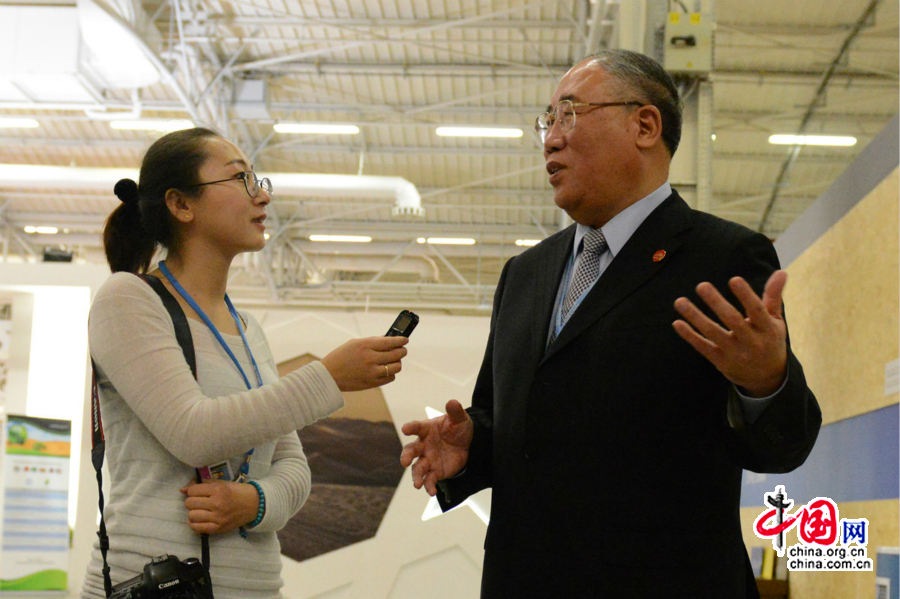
(593, 244)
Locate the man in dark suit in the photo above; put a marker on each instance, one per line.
(613, 448)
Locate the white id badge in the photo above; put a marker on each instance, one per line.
(220, 471)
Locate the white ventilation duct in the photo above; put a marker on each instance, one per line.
(70, 53)
(407, 201)
(404, 194)
(115, 54)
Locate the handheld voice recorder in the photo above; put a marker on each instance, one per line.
(404, 325)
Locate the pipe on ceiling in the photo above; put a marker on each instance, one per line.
(406, 198)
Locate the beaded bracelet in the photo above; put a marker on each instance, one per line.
(260, 513)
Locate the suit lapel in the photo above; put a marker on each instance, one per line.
(546, 282)
(633, 265)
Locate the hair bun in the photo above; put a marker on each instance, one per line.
(127, 191)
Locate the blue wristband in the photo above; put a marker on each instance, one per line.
(261, 512)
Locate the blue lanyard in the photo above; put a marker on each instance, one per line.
(244, 471)
(181, 291)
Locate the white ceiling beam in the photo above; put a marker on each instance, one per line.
(294, 42)
(440, 69)
(82, 106)
(382, 23)
(410, 33)
(776, 115)
(774, 76)
(416, 150)
(443, 108)
(299, 147)
(448, 108)
(802, 30)
(836, 158)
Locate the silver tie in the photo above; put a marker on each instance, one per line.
(593, 245)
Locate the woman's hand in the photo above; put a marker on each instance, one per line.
(365, 363)
(216, 506)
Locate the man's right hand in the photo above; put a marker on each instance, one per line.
(442, 449)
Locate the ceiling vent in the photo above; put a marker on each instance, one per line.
(69, 54)
(251, 99)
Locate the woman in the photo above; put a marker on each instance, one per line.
(199, 198)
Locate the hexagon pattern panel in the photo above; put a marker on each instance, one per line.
(354, 459)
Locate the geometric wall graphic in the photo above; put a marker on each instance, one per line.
(450, 570)
(354, 457)
(342, 592)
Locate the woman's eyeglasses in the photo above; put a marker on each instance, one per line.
(252, 183)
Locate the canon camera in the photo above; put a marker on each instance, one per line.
(167, 577)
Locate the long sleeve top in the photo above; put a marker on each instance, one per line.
(160, 423)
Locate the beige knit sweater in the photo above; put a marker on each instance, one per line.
(160, 424)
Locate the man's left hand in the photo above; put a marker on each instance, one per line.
(750, 351)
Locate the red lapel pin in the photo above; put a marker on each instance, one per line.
(659, 255)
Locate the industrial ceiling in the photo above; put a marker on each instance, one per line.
(397, 69)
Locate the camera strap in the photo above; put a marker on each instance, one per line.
(98, 443)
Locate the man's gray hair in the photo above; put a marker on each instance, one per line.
(647, 78)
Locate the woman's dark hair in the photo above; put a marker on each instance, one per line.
(134, 229)
(647, 78)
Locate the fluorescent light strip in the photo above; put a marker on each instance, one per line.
(478, 132)
(13, 123)
(152, 125)
(41, 230)
(447, 240)
(341, 238)
(812, 140)
(527, 242)
(316, 128)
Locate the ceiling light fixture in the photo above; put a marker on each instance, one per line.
(479, 132)
(11, 123)
(341, 238)
(527, 242)
(316, 128)
(41, 230)
(813, 140)
(166, 126)
(447, 240)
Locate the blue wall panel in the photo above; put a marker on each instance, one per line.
(857, 459)
(887, 565)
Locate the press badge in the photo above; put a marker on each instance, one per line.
(220, 471)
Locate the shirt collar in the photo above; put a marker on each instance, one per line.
(623, 225)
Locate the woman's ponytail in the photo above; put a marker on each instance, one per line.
(142, 222)
(128, 246)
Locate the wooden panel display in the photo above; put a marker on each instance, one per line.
(842, 306)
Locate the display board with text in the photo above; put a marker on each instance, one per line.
(34, 536)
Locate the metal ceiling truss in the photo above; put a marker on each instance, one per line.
(815, 103)
(314, 58)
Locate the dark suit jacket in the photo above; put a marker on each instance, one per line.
(615, 471)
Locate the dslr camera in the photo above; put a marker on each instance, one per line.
(167, 577)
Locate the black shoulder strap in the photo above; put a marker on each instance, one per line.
(98, 442)
(186, 341)
(182, 328)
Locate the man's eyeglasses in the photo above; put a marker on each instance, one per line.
(252, 183)
(564, 115)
